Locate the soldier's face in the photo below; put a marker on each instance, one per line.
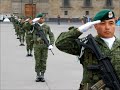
(106, 28)
(41, 20)
(22, 20)
(30, 21)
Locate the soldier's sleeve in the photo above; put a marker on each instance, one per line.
(24, 26)
(66, 42)
(34, 34)
(51, 36)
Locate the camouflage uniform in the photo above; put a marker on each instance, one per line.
(16, 25)
(66, 43)
(41, 49)
(21, 32)
(29, 37)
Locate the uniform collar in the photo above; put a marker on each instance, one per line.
(101, 42)
(41, 24)
(109, 41)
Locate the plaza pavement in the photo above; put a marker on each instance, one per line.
(64, 72)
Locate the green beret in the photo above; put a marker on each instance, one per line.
(71, 27)
(22, 17)
(30, 17)
(40, 15)
(104, 14)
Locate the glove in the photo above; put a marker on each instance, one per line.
(87, 26)
(50, 47)
(35, 20)
(27, 20)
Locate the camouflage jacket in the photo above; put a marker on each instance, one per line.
(21, 29)
(66, 43)
(28, 28)
(47, 31)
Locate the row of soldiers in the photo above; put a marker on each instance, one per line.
(28, 30)
(23, 30)
(101, 70)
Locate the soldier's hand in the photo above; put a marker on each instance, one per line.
(35, 20)
(87, 26)
(27, 20)
(50, 47)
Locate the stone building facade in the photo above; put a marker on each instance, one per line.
(64, 8)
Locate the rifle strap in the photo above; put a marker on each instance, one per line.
(98, 86)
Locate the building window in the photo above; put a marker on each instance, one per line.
(66, 3)
(31, 1)
(87, 3)
(65, 12)
(109, 3)
(87, 13)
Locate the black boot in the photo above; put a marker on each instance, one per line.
(22, 44)
(42, 77)
(27, 53)
(18, 37)
(30, 55)
(38, 78)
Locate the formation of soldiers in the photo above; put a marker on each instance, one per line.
(23, 30)
(28, 29)
(104, 23)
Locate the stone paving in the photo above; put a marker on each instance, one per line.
(64, 72)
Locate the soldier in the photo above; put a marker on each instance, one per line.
(21, 32)
(16, 26)
(28, 27)
(104, 23)
(58, 19)
(40, 48)
(84, 19)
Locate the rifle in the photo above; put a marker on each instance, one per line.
(107, 71)
(41, 34)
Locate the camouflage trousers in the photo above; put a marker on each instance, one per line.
(17, 32)
(29, 42)
(41, 54)
(22, 37)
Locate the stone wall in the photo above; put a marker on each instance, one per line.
(5, 6)
(53, 8)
